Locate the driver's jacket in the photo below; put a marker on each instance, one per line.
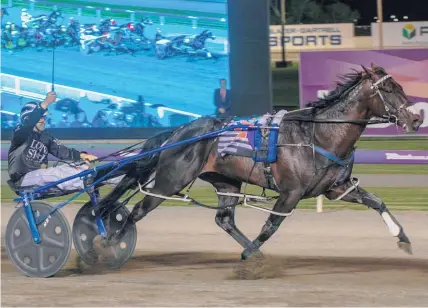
(29, 149)
(25, 17)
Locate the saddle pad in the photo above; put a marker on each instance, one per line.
(242, 143)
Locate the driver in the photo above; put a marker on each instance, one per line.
(25, 17)
(30, 146)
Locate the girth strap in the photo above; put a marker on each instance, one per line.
(271, 183)
(330, 156)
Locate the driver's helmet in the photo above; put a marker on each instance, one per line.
(25, 14)
(28, 108)
(130, 26)
(112, 22)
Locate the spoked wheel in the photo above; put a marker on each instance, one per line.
(87, 239)
(50, 255)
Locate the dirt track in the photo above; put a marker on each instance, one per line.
(344, 258)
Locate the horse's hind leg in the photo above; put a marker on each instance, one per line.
(165, 185)
(285, 204)
(359, 195)
(126, 183)
(225, 217)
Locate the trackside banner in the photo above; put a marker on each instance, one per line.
(401, 34)
(313, 37)
(320, 70)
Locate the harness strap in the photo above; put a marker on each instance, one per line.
(330, 156)
(271, 183)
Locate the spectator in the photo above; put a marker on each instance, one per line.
(222, 99)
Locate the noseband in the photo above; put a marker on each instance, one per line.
(385, 101)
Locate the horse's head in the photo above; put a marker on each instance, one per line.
(388, 99)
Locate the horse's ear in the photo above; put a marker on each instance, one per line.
(365, 69)
(373, 66)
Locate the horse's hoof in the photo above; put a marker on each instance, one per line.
(254, 253)
(104, 242)
(245, 254)
(406, 247)
(258, 254)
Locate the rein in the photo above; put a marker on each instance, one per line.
(390, 119)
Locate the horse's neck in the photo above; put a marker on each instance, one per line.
(340, 138)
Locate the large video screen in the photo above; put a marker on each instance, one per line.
(115, 63)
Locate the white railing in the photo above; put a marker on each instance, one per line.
(37, 89)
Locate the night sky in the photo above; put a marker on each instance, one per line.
(416, 10)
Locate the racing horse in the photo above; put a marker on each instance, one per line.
(315, 149)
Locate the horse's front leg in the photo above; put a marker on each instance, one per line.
(285, 204)
(359, 195)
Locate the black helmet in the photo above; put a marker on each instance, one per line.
(29, 107)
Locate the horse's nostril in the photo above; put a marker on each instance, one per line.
(417, 123)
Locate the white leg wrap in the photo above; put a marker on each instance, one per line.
(392, 226)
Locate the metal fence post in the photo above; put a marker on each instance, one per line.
(79, 11)
(17, 85)
(31, 5)
(9, 3)
(162, 20)
(320, 201)
(98, 14)
(194, 23)
(132, 17)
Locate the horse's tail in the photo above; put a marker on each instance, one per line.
(145, 166)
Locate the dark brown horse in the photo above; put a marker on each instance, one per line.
(314, 156)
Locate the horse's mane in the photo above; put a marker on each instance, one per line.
(346, 82)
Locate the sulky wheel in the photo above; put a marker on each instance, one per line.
(87, 238)
(50, 255)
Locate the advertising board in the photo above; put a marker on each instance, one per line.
(319, 71)
(401, 34)
(311, 37)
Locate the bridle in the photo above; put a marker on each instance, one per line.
(378, 91)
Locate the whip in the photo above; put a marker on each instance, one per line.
(53, 64)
